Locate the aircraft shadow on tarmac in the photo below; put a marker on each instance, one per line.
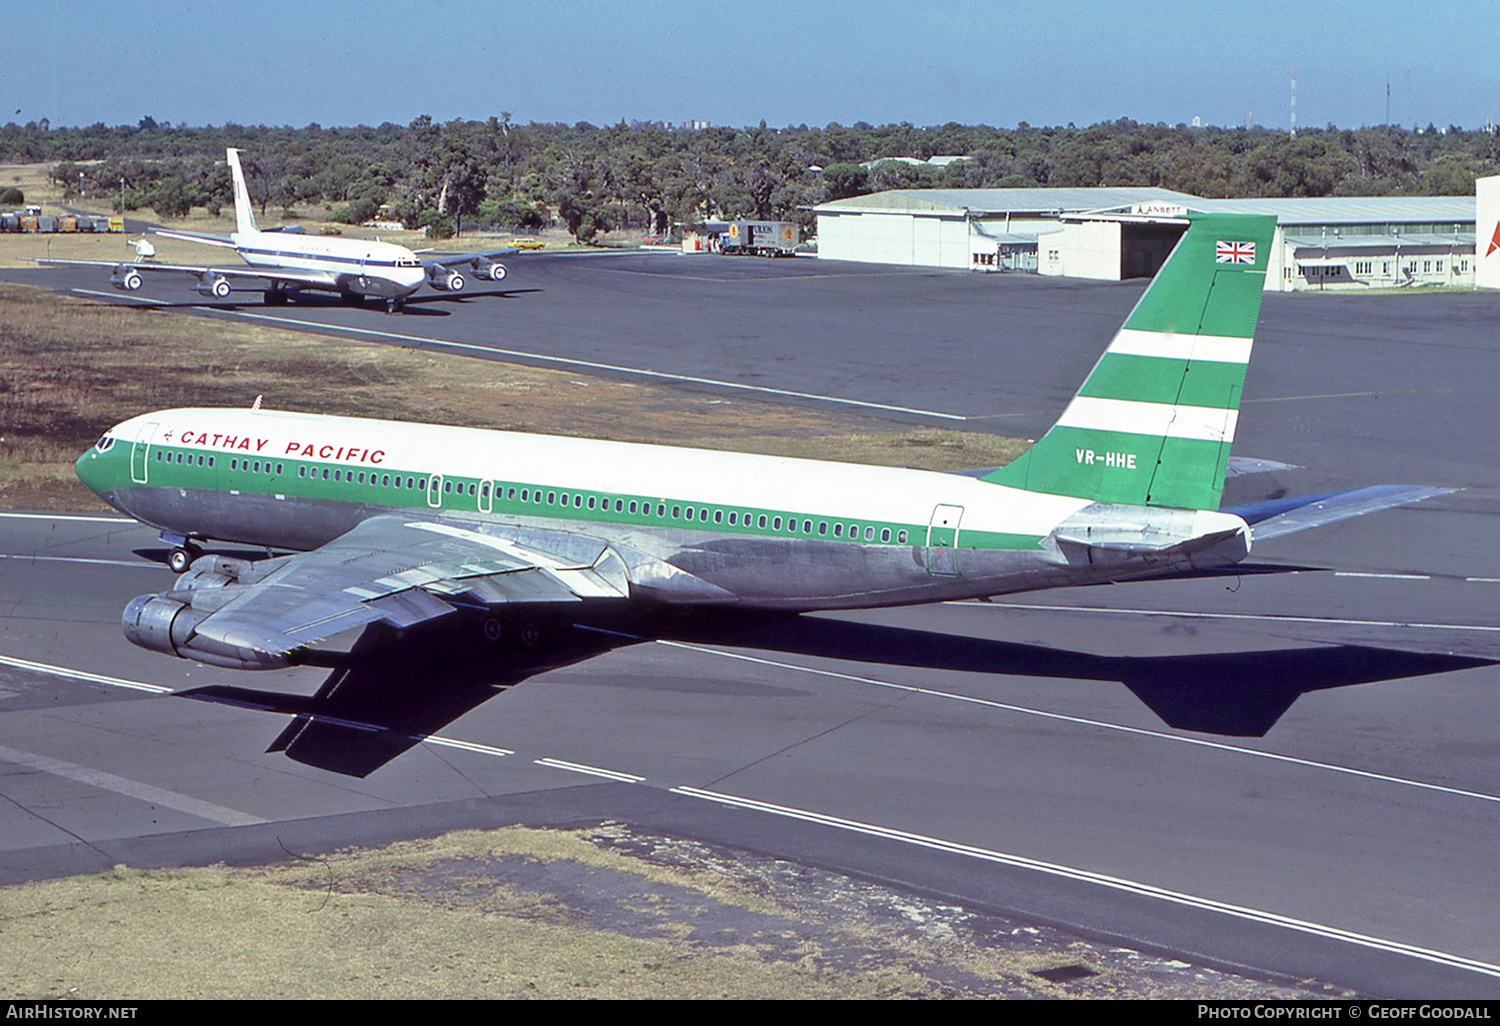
(416, 306)
(384, 698)
(381, 699)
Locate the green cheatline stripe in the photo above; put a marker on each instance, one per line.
(1118, 466)
(220, 478)
(1155, 380)
(1194, 294)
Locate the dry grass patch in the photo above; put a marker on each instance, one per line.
(521, 912)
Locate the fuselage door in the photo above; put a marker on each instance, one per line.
(435, 491)
(140, 451)
(942, 541)
(486, 496)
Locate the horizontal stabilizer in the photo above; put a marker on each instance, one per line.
(207, 240)
(1276, 517)
(1244, 466)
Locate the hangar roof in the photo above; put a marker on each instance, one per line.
(1383, 243)
(1317, 210)
(958, 202)
(1348, 209)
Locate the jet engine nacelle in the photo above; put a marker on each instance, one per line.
(494, 272)
(127, 279)
(163, 623)
(445, 279)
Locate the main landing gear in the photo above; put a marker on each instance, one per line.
(395, 306)
(180, 558)
(532, 634)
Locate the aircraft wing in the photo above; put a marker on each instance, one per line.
(1276, 517)
(205, 274)
(473, 259)
(391, 569)
(442, 267)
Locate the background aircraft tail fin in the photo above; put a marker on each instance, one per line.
(244, 213)
(1153, 423)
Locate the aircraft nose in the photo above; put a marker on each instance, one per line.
(86, 470)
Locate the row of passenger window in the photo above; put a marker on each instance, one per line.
(183, 459)
(697, 514)
(576, 500)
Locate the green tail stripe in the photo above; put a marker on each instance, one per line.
(1116, 466)
(1211, 285)
(1154, 380)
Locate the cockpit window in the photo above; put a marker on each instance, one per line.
(408, 262)
(104, 443)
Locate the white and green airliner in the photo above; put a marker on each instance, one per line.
(404, 523)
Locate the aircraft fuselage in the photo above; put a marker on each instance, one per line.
(690, 525)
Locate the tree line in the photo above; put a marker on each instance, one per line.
(448, 176)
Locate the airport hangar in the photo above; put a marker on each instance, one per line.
(1340, 242)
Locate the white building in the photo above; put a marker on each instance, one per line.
(1115, 233)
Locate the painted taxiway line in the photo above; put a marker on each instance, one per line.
(81, 675)
(565, 361)
(70, 516)
(138, 564)
(593, 771)
(1083, 721)
(1098, 879)
(148, 793)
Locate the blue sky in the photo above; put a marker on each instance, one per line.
(276, 62)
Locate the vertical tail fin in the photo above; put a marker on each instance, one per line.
(244, 213)
(1153, 423)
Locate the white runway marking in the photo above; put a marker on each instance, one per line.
(135, 564)
(130, 788)
(1158, 735)
(1098, 879)
(593, 771)
(68, 516)
(89, 678)
(571, 362)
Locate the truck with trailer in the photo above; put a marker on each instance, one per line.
(760, 238)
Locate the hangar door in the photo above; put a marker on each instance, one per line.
(1145, 247)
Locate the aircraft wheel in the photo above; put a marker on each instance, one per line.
(395, 306)
(533, 634)
(492, 629)
(180, 558)
(276, 297)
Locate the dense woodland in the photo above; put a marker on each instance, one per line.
(646, 176)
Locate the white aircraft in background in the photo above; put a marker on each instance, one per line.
(288, 261)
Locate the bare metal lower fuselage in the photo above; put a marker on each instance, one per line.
(678, 565)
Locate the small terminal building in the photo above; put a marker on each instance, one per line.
(1117, 233)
